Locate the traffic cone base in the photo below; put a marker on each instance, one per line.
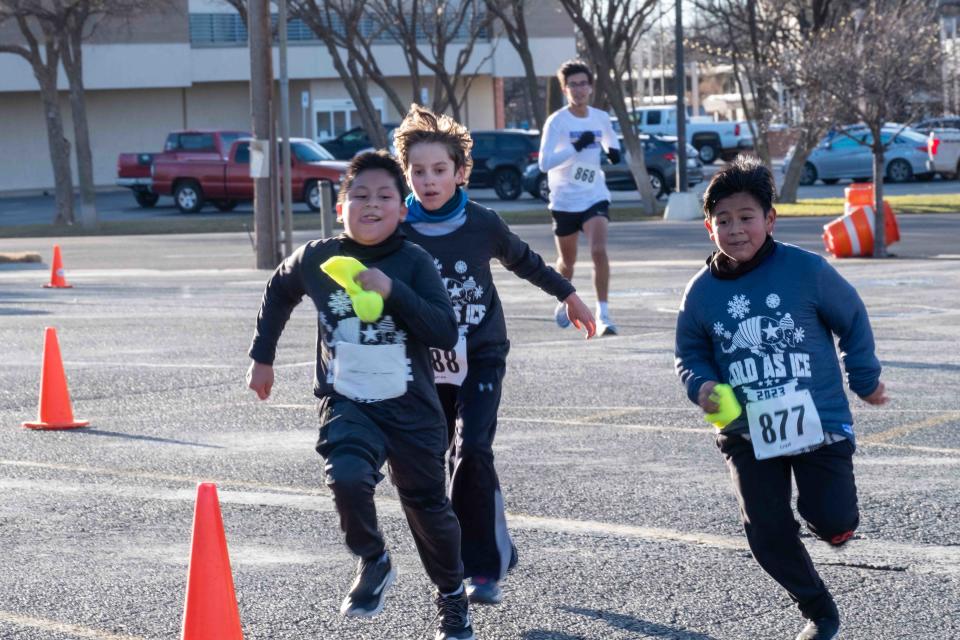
(55, 412)
(57, 278)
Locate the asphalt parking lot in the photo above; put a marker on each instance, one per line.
(618, 499)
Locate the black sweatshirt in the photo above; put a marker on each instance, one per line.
(463, 259)
(417, 314)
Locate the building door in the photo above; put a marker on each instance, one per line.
(332, 118)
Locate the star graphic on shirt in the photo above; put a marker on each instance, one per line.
(770, 331)
(370, 334)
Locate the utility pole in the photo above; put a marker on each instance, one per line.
(285, 185)
(680, 80)
(261, 72)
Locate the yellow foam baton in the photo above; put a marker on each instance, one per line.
(368, 305)
(729, 408)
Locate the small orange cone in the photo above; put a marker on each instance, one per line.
(211, 610)
(55, 411)
(57, 279)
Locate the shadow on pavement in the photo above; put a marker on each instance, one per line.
(629, 623)
(114, 434)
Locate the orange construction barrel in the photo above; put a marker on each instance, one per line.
(852, 234)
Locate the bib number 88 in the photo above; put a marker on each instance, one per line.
(444, 361)
(768, 422)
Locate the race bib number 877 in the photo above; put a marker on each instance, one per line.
(783, 425)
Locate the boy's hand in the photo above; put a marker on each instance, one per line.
(260, 379)
(878, 397)
(375, 280)
(703, 397)
(580, 315)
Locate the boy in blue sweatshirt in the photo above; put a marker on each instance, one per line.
(761, 316)
(463, 238)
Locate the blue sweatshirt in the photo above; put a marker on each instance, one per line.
(773, 327)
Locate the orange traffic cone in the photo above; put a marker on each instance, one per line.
(211, 607)
(55, 411)
(852, 234)
(57, 279)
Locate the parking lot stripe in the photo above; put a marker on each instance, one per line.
(906, 429)
(53, 626)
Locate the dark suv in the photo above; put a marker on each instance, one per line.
(499, 158)
(350, 143)
(659, 155)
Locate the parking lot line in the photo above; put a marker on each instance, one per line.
(53, 626)
(906, 429)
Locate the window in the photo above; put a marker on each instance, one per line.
(513, 144)
(196, 142)
(653, 117)
(242, 156)
(483, 145)
(309, 152)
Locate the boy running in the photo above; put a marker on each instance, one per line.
(463, 237)
(761, 316)
(378, 402)
(570, 154)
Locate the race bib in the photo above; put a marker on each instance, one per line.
(782, 421)
(450, 367)
(583, 173)
(370, 372)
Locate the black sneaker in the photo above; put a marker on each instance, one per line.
(453, 617)
(365, 598)
(820, 629)
(513, 557)
(482, 590)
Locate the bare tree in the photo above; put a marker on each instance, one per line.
(41, 48)
(428, 31)
(897, 52)
(750, 34)
(511, 15)
(610, 31)
(344, 27)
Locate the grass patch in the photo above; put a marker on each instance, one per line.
(240, 222)
(918, 203)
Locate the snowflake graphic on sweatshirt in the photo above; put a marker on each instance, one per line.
(340, 303)
(738, 307)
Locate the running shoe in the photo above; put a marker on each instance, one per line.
(482, 590)
(820, 629)
(605, 326)
(560, 315)
(365, 598)
(453, 617)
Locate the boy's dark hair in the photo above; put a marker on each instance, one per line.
(571, 67)
(423, 125)
(746, 174)
(372, 160)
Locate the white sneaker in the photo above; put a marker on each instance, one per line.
(560, 316)
(605, 326)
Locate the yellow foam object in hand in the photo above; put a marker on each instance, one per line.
(729, 408)
(368, 305)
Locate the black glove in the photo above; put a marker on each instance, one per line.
(614, 155)
(585, 140)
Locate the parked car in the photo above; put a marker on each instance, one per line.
(660, 155)
(846, 154)
(134, 170)
(943, 152)
(352, 142)
(227, 182)
(712, 139)
(943, 122)
(500, 157)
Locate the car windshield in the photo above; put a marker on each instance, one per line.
(309, 151)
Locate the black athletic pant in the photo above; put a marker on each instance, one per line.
(355, 449)
(471, 411)
(826, 499)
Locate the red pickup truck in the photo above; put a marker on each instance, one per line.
(225, 182)
(134, 170)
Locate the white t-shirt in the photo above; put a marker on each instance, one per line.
(575, 178)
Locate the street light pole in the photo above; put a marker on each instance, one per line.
(285, 183)
(680, 82)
